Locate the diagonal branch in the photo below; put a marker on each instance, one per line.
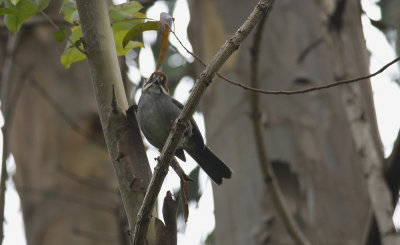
(269, 177)
(53, 24)
(205, 78)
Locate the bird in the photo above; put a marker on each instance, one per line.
(156, 112)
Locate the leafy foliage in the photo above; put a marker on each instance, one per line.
(71, 53)
(70, 11)
(125, 11)
(149, 25)
(123, 18)
(59, 36)
(17, 11)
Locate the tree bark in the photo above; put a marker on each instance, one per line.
(123, 139)
(309, 138)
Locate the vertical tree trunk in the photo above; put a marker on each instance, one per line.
(309, 137)
(64, 175)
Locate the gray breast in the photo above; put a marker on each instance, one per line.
(156, 115)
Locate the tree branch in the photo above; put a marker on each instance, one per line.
(181, 123)
(287, 92)
(107, 82)
(53, 24)
(269, 177)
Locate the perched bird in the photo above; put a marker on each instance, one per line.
(156, 113)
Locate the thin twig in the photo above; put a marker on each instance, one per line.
(287, 92)
(52, 23)
(205, 78)
(269, 177)
(36, 20)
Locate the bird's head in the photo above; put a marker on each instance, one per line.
(157, 82)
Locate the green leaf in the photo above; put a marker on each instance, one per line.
(69, 10)
(16, 12)
(124, 11)
(71, 53)
(147, 26)
(70, 56)
(129, 23)
(59, 36)
(40, 4)
(122, 50)
(4, 11)
(124, 17)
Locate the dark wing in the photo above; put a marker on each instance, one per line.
(195, 129)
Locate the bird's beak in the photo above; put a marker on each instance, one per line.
(157, 80)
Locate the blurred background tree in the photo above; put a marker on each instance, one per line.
(65, 179)
(63, 173)
(310, 138)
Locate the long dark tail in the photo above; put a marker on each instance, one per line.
(211, 164)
